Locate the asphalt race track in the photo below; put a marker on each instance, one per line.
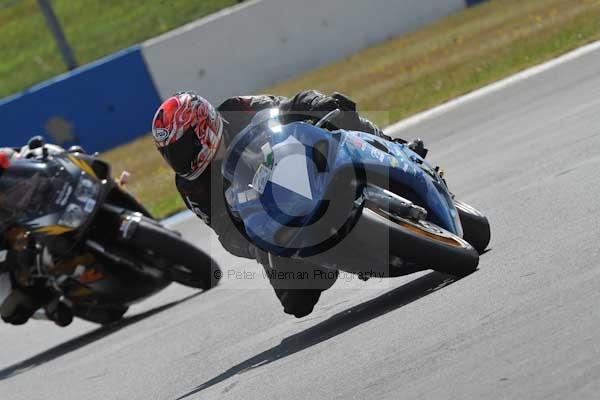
(524, 326)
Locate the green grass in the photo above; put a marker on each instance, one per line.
(415, 72)
(455, 56)
(94, 28)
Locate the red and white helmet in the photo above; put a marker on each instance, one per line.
(4, 160)
(187, 131)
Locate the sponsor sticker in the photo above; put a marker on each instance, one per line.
(378, 154)
(248, 195)
(268, 154)
(64, 194)
(161, 134)
(358, 142)
(261, 178)
(90, 204)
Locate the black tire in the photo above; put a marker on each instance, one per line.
(62, 316)
(378, 239)
(100, 314)
(187, 264)
(427, 245)
(476, 227)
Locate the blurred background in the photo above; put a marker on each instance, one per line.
(92, 28)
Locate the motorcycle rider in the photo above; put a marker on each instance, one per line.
(17, 304)
(192, 136)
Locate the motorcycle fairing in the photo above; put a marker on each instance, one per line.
(278, 206)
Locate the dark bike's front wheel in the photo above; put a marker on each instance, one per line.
(185, 263)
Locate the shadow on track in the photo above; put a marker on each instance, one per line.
(336, 325)
(84, 340)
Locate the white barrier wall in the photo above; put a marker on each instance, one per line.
(261, 42)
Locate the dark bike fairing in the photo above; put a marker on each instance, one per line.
(56, 200)
(49, 197)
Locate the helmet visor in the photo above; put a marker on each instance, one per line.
(181, 154)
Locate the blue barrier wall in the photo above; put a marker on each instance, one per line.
(98, 106)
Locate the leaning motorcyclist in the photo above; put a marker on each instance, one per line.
(192, 137)
(17, 303)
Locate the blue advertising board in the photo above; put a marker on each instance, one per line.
(98, 106)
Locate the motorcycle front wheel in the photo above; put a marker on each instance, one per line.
(476, 226)
(426, 244)
(183, 263)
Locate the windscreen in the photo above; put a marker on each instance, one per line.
(245, 153)
(30, 189)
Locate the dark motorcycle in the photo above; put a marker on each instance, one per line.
(78, 237)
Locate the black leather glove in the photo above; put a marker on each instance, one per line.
(314, 105)
(350, 119)
(418, 147)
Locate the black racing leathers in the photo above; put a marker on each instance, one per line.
(204, 195)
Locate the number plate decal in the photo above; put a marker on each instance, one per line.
(262, 176)
(89, 206)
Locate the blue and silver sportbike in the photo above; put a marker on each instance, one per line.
(347, 200)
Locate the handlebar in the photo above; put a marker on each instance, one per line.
(329, 117)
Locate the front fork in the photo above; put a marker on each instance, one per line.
(127, 223)
(59, 310)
